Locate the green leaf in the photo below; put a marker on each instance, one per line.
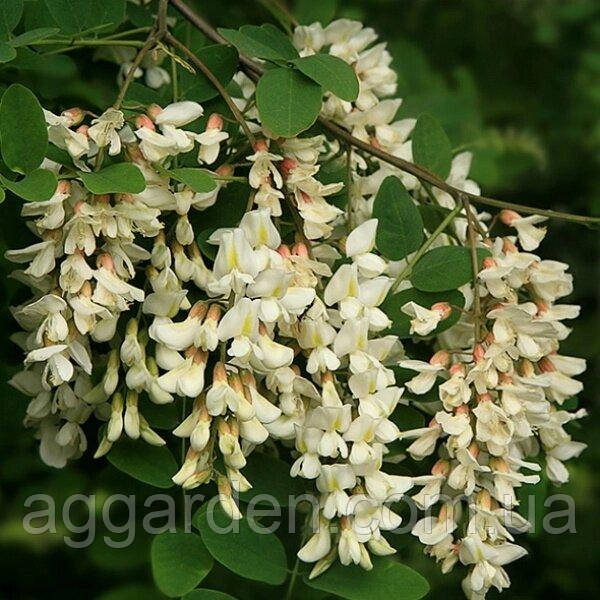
(400, 227)
(240, 547)
(207, 595)
(7, 52)
(34, 35)
(406, 418)
(445, 268)
(266, 41)
(331, 73)
(2, 195)
(388, 579)
(196, 179)
(10, 15)
(226, 211)
(160, 416)
(37, 185)
(269, 475)
(431, 147)
(122, 178)
(132, 591)
(180, 562)
(23, 132)
(393, 304)
(154, 465)
(288, 102)
(311, 11)
(433, 216)
(222, 62)
(74, 16)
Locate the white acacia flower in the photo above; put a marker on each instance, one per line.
(104, 130)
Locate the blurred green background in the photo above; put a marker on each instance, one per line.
(517, 82)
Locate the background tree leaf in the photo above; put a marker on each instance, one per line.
(10, 15)
(23, 132)
(203, 594)
(311, 11)
(431, 147)
(388, 579)
(393, 304)
(270, 475)
(180, 561)
(7, 52)
(252, 555)
(222, 62)
(196, 179)
(74, 16)
(265, 41)
(445, 268)
(332, 73)
(122, 178)
(288, 102)
(400, 227)
(37, 185)
(154, 465)
(32, 36)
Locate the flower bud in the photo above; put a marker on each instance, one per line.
(153, 111)
(261, 146)
(443, 308)
(441, 467)
(132, 416)
(143, 121)
(75, 115)
(441, 357)
(215, 121)
(478, 353)
(287, 165)
(508, 217)
(115, 423)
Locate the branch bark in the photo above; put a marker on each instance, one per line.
(253, 70)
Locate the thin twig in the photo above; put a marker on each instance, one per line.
(254, 71)
(209, 74)
(475, 268)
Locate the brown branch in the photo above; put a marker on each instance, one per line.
(209, 74)
(253, 70)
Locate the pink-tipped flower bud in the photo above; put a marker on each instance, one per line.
(478, 353)
(463, 409)
(441, 467)
(542, 308)
(443, 308)
(75, 115)
(458, 369)
(144, 121)
(105, 261)
(488, 262)
(545, 365)
(261, 146)
(215, 121)
(300, 249)
(225, 170)
(284, 251)
(153, 111)
(199, 310)
(508, 217)
(83, 129)
(64, 187)
(508, 247)
(214, 313)
(219, 373)
(487, 397)
(441, 357)
(287, 165)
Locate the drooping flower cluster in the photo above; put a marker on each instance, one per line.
(278, 333)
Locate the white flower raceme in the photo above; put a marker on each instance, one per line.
(265, 299)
